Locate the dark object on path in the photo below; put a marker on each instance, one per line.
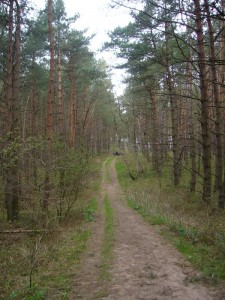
(117, 153)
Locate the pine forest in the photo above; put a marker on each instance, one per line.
(66, 136)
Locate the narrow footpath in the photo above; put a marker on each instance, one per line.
(143, 265)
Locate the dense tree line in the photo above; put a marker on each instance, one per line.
(173, 52)
(55, 107)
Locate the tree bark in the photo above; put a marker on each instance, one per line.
(204, 101)
(13, 91)
(49, 128)
(72, 114)
(155, 134)
(222, 101)
(215, 86)
(60, 91)
(51, 73)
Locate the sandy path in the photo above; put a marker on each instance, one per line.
(144, 267)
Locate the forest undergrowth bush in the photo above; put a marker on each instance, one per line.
(196, 229)
(40, 254)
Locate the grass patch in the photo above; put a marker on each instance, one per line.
(52, 261)
(64, 263)
(33, 293)
(90, 210)
(108, 240)
(107, 164)
(195, 229)
(152, 219)
(122, 174)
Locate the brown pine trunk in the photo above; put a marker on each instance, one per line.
(155, 134)
(60, 91)
(72, 113)
(192, 129)
(49, 127)
(134, 140)
(51, 74)
(222, 101)
(204, 101)
(9, 93)
(175, 124)
(192, 151)
(12, 189)
(218, 119)
(173, 111)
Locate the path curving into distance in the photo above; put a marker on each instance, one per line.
(142, 264)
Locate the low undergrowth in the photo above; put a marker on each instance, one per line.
(90, 210)
(195, 229)
(41, 264)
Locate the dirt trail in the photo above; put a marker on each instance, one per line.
(144, 266)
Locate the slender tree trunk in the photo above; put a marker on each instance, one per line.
(192, 152)
(174, 111)
(218, 121)
(51, 74)
(13, 90)
(72, 113)
(191, 131)
(135, 147)
(33, 125)
(155, 134)
(49, 129)
(9, 93)
(175, 137)
(222, 101)
(60, 91)
(204, 101)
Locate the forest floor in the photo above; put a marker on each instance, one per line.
(127, 259)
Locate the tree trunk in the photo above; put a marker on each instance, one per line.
(49, 127)
(9, 93)
(175, 137)
(51, 74)
(204, 101)
(60, 91)
(12, 94)
(191, 131)
(218, 123)
(222, 102)
(72, 114)
(135, 147)
(173, 110)
(155, 134)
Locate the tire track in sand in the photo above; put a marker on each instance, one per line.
(144, 265)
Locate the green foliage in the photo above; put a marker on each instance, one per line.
(141, 209)
(122, 174)
(33, 293)
(57, 256)
(90, 210)
(128, 170)
(63, 261)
